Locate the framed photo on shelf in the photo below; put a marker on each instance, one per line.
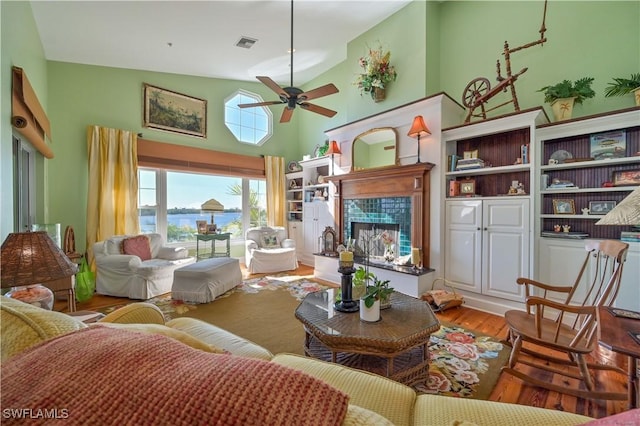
(294, 166)
(174, 112)
(601, 207)
(470, 154)
(564, 207)
(608, 145)
(629, 177)
(468, 187)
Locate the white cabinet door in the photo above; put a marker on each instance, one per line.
(629, 295)
(561, 260)
(505, 246)
(463, 244)
(487, 246)
(316, 217)
(296, 234)
(309, 225)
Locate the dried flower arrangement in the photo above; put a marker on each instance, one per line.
(378, 72)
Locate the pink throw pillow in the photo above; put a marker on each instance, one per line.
(137, 246)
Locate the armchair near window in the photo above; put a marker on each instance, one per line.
(269, 250)
(562, 320)
(137, 267)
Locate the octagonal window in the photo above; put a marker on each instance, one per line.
(248, 125)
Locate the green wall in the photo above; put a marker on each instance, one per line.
(599, 39)
(20, 47)
(436, 46)
(82, 95)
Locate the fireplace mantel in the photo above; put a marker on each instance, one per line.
(395, 181)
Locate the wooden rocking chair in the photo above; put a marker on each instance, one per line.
(570, 326)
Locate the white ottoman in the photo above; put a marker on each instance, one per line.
(203, 281)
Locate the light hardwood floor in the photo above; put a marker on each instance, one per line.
(508, 389)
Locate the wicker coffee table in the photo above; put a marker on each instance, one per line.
(400, 339)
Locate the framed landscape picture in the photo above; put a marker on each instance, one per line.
(608, 145)
(174, 112)
(622, 178)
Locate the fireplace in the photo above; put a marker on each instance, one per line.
(391, 195)
(366, 237)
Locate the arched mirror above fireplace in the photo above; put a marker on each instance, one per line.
(374, 148)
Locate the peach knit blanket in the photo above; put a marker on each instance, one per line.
(101, 375)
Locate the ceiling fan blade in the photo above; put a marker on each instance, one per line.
(317, 109)
(286, 115)
(273, 86)
(327, 89)
(257, 104)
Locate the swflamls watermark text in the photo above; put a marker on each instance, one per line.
(35, 413)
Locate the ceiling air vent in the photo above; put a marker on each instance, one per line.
(246, 42)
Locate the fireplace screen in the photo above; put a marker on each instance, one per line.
(367, 238)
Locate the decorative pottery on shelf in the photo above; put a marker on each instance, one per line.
(378, 94)
(562, 108)
(371, 314)
(636, 93)
(389, 254)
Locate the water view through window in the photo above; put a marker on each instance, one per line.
(169, 203)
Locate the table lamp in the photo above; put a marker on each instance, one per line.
(418, 128)
(333, 149)
(625, 213)
(212, 206)
(30, 260)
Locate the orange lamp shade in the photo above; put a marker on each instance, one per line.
(418, 128)
(333, 148)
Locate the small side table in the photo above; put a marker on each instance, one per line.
(87, 317)
(206, 254)
(613, 334)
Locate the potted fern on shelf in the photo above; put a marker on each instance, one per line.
(623, 86)
(562, 96)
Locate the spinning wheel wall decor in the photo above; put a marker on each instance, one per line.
(479, 90)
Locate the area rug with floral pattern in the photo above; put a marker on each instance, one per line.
(463, 363)
(298, 287)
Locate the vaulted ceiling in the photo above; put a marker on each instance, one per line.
(199, 37)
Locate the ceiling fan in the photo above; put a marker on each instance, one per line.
(292, 96)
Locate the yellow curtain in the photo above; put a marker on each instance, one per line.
(276, 194)
(112, 206)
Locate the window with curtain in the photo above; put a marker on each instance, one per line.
(24, 166)
(169, 203)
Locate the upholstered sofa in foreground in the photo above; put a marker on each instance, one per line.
(132, 368)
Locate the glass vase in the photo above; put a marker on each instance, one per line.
(36, 295)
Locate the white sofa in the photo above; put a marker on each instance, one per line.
(126, 275)
(269, 250)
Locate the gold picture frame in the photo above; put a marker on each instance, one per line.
(564, 206)
(470, 154)
(174, 112)
(468, 187)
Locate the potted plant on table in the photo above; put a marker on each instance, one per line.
(562, 96)
(370, 302)
(623, 86)
(360, 279)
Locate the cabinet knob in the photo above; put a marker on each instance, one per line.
(486, 229)
(478, 228)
